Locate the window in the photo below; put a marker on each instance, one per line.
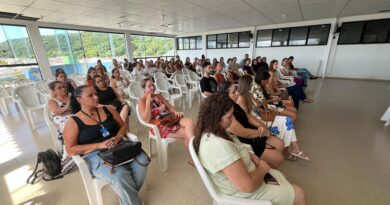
(212, 41)
(298, 36)
(17, 58)
(199, 42)
(229, 40)
(245, 39)
(264, 38)
(180, 44)
(318, 35)
(280, 37)
(222, 41)
(192, 43)
(232, 40)
(189, 43)
(75, 51)
(376, 31)
(351, 33)
(152, 46)
(186, 43)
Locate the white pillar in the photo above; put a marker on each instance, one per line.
(129, 47)
(39, 49)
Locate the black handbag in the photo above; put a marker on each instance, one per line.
(122, 153)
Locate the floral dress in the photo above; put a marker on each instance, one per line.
(156, 116)
(59, 121)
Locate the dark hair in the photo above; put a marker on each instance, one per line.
(90, 69)
(74, 104)
(53, 84)
(261, 75)
(94, 81)
(211, 111)
(224, 87)
(271, 64)
(143, 82)
(205, 64)
(60, 72)
(291, 57)
(112, 72)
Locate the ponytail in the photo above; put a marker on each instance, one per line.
(74, 104)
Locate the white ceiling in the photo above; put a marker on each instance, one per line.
(186, 16)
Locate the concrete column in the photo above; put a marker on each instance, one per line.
(39, 50)
(129, 47)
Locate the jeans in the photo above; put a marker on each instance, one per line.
(297, 94)
(126, 180)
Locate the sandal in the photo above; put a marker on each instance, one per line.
(295, 156)
(307, 100)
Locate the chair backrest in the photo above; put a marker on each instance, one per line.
(201, 93)
(52, 128)
(27, 94)
(180, 81)
(185, 71)
(159, 75)
(213, 190)
(135, 90)
(140, 78)
(193, 76)
(42, 86)
(162, 84)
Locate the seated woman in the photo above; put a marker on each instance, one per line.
(247, 69)
(69, 83)
(119, 83)
(280, 126)
(90, 74)
(153, 106)
(61, 112)
(233, 74)
(261, 95)
(218, 76)
(248, 131)
(115, 64)
(108, 96)
(233, 169)
(286, 71)
(103, 74)
(84, 136)
(138, 70)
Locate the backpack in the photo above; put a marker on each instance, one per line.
(51, 167)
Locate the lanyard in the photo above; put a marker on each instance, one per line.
(100, 122)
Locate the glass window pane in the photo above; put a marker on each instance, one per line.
(180, 43)
(280, 37)
(264, 38)
(6, 56)
(318, 35)
(232, 40)
(186, 42)
(137, 44)
(19, 43)
(212, 41)
(351, 32)
(221, 40)
(78, 51)
(244, 40)
(298, 36)
(169, 47)
(376, 31)
(199, 42)
(193, 43)
(20, 72)
(118, 45)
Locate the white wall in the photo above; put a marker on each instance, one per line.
(228, 53)
(189, 53)
(369, 61)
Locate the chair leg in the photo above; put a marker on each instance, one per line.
(150, 147)
(163, 155)
(4, 105)
(387, 123)
(30, 119)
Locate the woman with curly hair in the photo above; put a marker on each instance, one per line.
(233, 169)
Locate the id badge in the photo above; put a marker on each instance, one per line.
(104, 132)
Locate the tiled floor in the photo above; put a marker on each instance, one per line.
(341, 131)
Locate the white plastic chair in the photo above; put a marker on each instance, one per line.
(190, 92)
(52, 127)
(5, 95)
(139, 78)
(159, 75)
(93, 186)
(163, 86)
(216, 195)
(200, 90)
(185, 72)
(162, 143)
(27, 99)
(386, 117)
(285, 79)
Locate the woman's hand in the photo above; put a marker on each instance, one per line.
(149, 99)
(179, 114)
(263, 165)
(162, 108)
(263, 130)
(113, 141)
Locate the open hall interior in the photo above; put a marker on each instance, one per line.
(319, 86)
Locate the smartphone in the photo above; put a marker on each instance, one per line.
(269, 179)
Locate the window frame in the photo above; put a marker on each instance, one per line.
(189, 40)
(32, 47)
(227, 40)
(289, 35)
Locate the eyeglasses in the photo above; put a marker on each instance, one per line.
(99, 81)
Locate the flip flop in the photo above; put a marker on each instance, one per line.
(299, 155)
